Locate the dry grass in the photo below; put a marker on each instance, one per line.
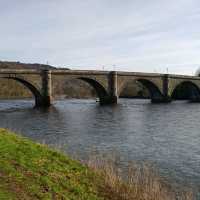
(141, 182)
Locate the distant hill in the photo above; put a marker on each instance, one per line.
(19, 65)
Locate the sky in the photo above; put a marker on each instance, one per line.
(127, 35)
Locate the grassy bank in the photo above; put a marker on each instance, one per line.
(33, 171)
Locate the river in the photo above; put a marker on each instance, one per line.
(167, 135)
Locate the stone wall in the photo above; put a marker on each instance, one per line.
(70, 89)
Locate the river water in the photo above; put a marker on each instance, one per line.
(167, 135)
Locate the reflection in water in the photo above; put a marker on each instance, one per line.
(165, 134)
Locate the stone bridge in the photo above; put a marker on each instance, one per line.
(107, 84)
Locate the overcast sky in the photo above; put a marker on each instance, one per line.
(128, 35)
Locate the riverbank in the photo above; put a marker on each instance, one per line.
(33, 171)
(30, 170)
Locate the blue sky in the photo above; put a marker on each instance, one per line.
(128, 35)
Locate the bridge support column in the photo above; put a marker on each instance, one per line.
(113, 96)
(165, 98)
(46, 89)
(113, 87)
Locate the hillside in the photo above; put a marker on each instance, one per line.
(18, 65)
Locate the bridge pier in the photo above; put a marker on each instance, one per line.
(113, 96)
(46, 94)
(164, 98)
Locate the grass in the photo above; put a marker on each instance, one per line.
(140, 182)
(33, 171)
(30, 171)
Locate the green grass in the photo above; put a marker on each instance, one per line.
(30, 170)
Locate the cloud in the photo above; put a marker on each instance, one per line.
(134, 35)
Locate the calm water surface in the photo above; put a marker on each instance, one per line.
(166, 134)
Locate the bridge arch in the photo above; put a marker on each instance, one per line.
(154, 92)
(186, 90)
(99, 88)
(36, 93)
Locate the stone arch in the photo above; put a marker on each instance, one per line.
(186, 90)
(154, 92)
(100, 90)
(37, 95)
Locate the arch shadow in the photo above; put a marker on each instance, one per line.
(99, 89)
(186, 90)
(154, 92)
(37, 95)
